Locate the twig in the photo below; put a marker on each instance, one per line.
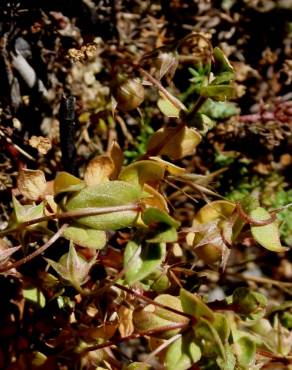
(23, 152)
(67, 134)
(36, 253)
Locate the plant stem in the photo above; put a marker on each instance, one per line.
(110, 343)
(150, 301)
(36, 253)
(177, 103)
(283, 285)
(250, 220)
(273, 356)
(82, 212)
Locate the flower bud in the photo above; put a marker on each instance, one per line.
(248, 302)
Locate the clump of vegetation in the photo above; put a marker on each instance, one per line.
(122, 267)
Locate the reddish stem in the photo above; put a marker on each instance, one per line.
(158, 330)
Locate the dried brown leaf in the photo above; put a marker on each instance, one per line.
(99, 170)
(117, 156)
(31, 183)
(42, 144)
(126, 326)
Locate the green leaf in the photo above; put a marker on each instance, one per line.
(152, 316)
(222, 327)
(138, 366)
(173, 302)
(27, 212)
(245, 351)
(223, 78)
(167, 108)
(142, 172)
(140, 262)
(85, 237)
(268, 235)
(202, 122)
(155, 215)
(111, 193)
(65, 182)
(38, 360)
(193, 305)
(162, 226)
(35, 295)
(182, 353)
(219, 110)
(209, 339)
(218, 92)
(222, 64)
(157, 281)
(229, 360)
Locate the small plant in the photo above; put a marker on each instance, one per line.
(124, 271)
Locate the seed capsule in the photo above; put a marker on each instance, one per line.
(209, 253)
(129, 94)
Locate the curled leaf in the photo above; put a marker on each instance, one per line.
(175, 144)
(170, 167)
(117, 156)
(219, 209)
(222, 64)
(34, 295)
(142, 172)
(65, 182)
(155, 199)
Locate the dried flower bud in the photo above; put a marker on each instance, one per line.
(129, 94)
